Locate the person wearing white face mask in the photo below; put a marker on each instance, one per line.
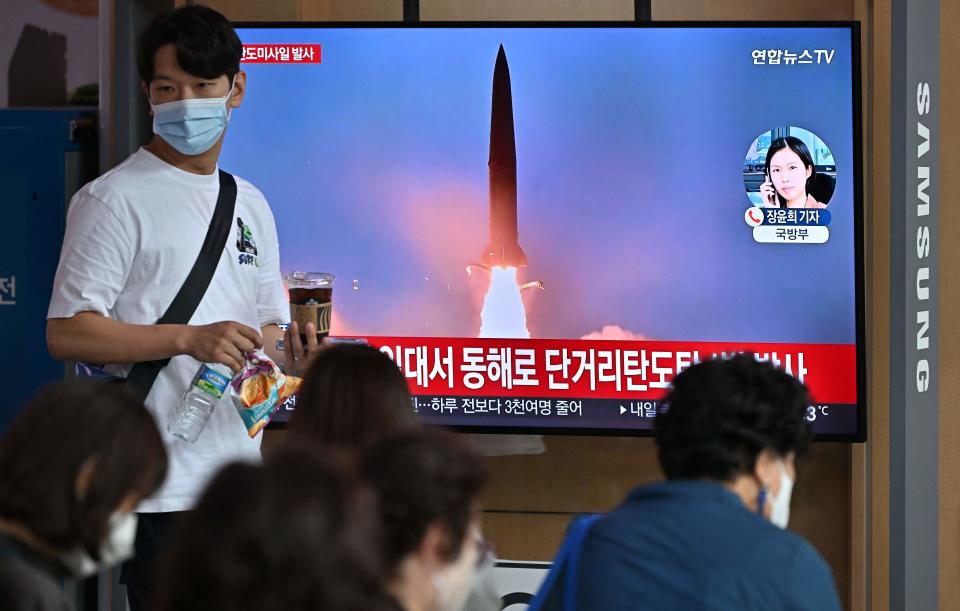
(713, 536)
(353, 396)
(774, 503)
(428, 485)
(73, 465)
(168, 262)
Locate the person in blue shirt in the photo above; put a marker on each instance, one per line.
(713, 536)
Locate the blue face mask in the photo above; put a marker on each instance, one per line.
(192, 126)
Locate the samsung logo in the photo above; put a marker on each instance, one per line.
(923, 240)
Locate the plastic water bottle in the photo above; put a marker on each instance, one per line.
(198, 402)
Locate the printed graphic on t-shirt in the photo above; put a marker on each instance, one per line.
(245, 244)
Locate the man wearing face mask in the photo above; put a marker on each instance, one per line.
(132, 240)
(713, 535)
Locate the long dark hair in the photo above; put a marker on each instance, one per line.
(797, 146)
(66, 429)
(352, 395)
(298, 532)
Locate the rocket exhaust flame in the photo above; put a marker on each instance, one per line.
(503, 314)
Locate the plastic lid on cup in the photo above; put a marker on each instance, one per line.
(309, 280)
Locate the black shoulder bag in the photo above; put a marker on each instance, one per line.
(143, 375)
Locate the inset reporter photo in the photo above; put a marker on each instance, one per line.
(789, 167)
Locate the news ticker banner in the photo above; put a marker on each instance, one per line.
(593, 384)
(282, 54)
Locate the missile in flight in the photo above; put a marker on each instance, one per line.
(503, 248)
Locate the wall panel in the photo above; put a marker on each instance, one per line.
(949, 278)
(529, 10)
(308, 10)
(744, 10)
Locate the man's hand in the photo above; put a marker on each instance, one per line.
(223, 342)
(296, 356)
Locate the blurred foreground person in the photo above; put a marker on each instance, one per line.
(297, 533)
(353, 396)
(428, 486)
(73, 466)
(713, 535)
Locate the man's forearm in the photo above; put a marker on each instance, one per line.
(90, 337)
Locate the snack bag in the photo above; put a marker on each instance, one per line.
(259, 389)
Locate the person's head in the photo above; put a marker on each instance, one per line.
(790, 168)
(738, 422)
(297, 532)
(352, 395)
(188, 59)
(428, 485)
(78, 457)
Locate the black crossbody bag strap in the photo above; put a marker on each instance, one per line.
(181, 309)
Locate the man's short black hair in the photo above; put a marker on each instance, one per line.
(207, 46)
(721, 414)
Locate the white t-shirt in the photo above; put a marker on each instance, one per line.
(132, 237)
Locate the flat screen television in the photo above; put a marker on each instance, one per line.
(542, 222)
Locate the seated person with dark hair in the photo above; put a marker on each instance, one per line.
(296, 533)
(712, 536)
(428, 486)
(73, 465)
(352, 395)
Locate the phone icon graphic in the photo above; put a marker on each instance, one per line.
(753, 216)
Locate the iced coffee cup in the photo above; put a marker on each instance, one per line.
(311, 300)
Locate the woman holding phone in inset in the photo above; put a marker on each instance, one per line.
(789, 174)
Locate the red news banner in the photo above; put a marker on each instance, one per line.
(599, 369)
(281, 54)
